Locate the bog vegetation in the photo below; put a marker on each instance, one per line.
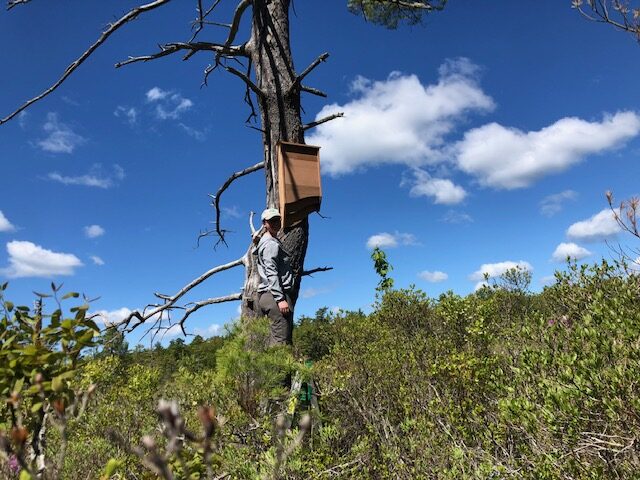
(501, 383)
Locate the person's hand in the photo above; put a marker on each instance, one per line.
(284, 307)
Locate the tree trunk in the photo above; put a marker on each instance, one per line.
(279, 107)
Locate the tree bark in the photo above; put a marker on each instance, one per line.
(279, 106)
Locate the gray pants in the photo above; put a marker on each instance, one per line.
(281, 326)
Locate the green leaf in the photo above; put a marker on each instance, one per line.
(8, 305)
(56, 384)
(17, 387)
(24, 475)
(36, 407)
(111, 467)
(70, 295)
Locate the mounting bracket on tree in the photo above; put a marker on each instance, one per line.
(299, 185)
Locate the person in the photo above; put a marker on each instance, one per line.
(276, 280)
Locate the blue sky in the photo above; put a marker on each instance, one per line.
(482, 139)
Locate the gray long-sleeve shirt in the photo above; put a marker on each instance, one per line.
(274, 268)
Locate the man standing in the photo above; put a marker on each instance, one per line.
(276, 280)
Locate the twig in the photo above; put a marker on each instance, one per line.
(131, 15)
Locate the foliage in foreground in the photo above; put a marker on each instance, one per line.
(501, 383)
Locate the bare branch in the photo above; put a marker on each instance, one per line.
(203, 303)
(13, 3)
(131, 15)
(626, 18)
(192, 48)
(246, 80)
(235, 23)
(313, 91)
(251, 226)
(169, 301)
(424, 5)
(323, 120)
(216, 198)
(306, 273)
(308, 70)
(627, 215)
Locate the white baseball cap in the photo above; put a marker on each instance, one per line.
(270, 213)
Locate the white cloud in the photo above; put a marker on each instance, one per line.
(214, 329)
(199, 135)
(569, 250)
(453, 216)
(433, 277)
(60, 138)
(27, 259)
(22, 119)
(509, 158)
(5, 224)
(313, 292)
(496, 269)
(169, 105)
(442, 191)
(548, 280)
(390, 240)
(97, 260)
(93, 231)
(552, 204)
(173, 108)
(128, 113)
(231, 212)
(112, 317)
(398, 120)
(156, 93)
(96, 177)
(598, 227)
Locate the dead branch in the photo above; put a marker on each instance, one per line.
(191, 48)
(13, 3)
(623, 18)
(235, 24)
(313, 91)
(323, 120)
(245, 78)
(306, 273)
(216, 198)
(630, 209)
(170, 301)
(200, 21)
(131, 15)
(308, 70)
(251, 225)
(195, 306)
(423, 5)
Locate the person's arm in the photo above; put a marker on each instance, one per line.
(270, 265)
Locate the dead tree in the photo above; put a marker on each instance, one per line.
(264, 63)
